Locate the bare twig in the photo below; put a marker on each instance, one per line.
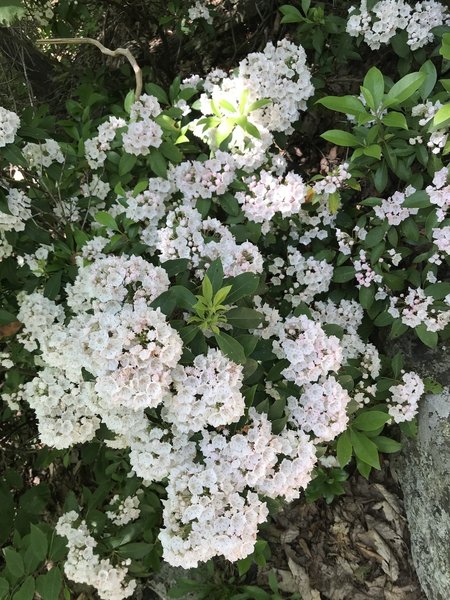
(119, 52)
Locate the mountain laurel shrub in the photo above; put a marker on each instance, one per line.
(197, 329)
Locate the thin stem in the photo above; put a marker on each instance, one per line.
(119, 52)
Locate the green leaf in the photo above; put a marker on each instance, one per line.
(395, 119)
(14, 562)
(374, 151)
(136, 550)
(370, 420)
(53, 285)
(290, 14)
(404, 89)
(129, 100)
(445, 48)
(386, 445)
(4, 588)
(157, 91)
(438, 290)
(6, 317)
(374, 236)
(230, 347)
(158, 163)
(367, 95)
(207, 289)
(429, 70)
(244, 318)
(104, 218)
(350, 105)
(126, 163)
(49, 585)
(10, 10)
(244, 284)
(363, 468)
(175, 266)
(442, 117)
(26, 590)
(248, 126)
(380, 178)
(171, 152)
(429, 338)
(341, 138)
(343, 274)
(418, 199)
(365, 449)
(366, 296)
(221, 295)
(215, 274)
(397, 364)
(183, 298)
(38, 542)
(344, 448)
(374, 82)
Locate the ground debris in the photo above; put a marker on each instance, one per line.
(357, 548)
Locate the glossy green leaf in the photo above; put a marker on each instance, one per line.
(365, 449)
(26, 590)
(386, 445)
(341, 138)
(374, 82)
(349, 105)
(244, 318)
(344, 448)
(404, 89)
(230, 347)
(370, 420)
(14, 562)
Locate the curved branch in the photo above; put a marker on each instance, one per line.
(119, 52)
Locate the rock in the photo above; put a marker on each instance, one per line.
(423, 470)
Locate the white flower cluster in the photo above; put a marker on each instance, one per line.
(439, 192)
(279, 75)
(84, 566)
(125, 511)
(393, 210)
(112, 279)
(43, 154)
(310, 352)
(200, 11)
(95, 148)
(348, 315)
(416, 308)
(186, 236)
(441, 237)
(321, 409)
(19, 206)
(426, 111)
(309, 276)
(365, 274)
(195, 179)
(205, 513)
(379, 24)
(207, 393)
(333, 181)
(5, 247)
(37, 261)
(66, 411)
(268, 195)
(143, 132)
(9, 124)
(403, 403)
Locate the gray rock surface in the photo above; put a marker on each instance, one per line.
(424, 473)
